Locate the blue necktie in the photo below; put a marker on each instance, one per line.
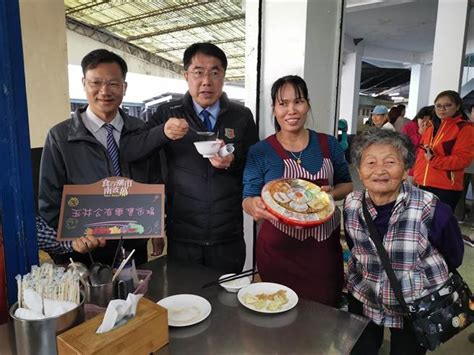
(112, 148)
(207, 121)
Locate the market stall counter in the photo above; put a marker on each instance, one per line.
(231, 328)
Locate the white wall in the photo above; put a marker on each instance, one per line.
(43, 30)
(78, 46)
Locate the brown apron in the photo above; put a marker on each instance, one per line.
(311, 265)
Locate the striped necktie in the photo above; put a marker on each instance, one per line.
(113, 149)
(207, 121)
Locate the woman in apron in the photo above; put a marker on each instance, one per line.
(308, 260)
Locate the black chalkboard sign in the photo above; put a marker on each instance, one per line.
(114, 207)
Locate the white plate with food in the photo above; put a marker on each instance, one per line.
(267, 297)
(184, 309)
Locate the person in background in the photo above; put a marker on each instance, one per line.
(307, 260)
(393, 115)
(447, 150)
(463, 212)
(380, 118)
(419, 232)
(416, 127)
(88, 147)
(204, 221)
(401, 120)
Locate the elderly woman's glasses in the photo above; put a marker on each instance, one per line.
(99, 83)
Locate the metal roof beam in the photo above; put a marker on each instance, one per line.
(173, 49)
(118, 43)
(87, 5)
(187, 27)
(166, 10)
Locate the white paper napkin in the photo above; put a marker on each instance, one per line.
(119, 310)
(34, 306)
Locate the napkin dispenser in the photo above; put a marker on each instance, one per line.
(145, 333)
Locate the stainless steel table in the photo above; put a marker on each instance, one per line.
(309, 328)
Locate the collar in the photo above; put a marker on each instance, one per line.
(96, 123)
(402, 199)
(78, 131)
(214, 109)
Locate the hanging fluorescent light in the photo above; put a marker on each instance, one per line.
(394, 94)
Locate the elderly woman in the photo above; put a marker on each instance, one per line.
(420, 234)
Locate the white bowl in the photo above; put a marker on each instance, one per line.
(235, 285)
(207, 148)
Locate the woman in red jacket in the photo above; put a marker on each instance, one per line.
(416, 127)
(446, 151)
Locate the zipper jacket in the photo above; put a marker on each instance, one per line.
(453, 151)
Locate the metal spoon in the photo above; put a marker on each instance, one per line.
(202, 133)
(176, 112)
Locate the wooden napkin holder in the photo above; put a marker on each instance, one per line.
(145, 333)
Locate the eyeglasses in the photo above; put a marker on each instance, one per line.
(99, 83)
(443, 107)
(214, 74)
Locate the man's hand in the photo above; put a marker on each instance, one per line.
(219, 162)
(88, 243)
(255, 207)
(176, 128)
(158, 246)
(222, 163)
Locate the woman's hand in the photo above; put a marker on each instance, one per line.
(338, 191)
(88, 243)
(327, 189)
(255, 207)
(428, 154)
(423, 125)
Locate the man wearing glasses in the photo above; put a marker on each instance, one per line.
(204, 196)
(88, 147)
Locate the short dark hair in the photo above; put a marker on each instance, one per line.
(98, 56)
(394, 113)
(301, 91)
(424, 111)
(204, 48)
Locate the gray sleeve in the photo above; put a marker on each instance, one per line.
(51, 181)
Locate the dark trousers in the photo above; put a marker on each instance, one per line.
(449, 197)
(402, 341)
(226, 257)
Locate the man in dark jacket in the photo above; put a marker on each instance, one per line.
(88, 147)
(204, 196)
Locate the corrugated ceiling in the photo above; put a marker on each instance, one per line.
(166, 28)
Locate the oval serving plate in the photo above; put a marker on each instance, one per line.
(298, 202)
(185, 310)
(265, 293)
